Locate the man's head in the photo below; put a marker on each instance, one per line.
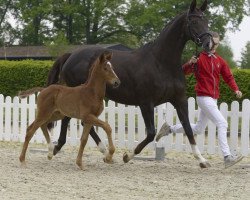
(216, 40)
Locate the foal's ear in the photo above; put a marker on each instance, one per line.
(204, 6)
(192, 6)
(109, 55)
(106, 55)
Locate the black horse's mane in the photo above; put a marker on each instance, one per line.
(165, 29)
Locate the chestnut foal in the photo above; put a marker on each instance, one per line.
(83, 102)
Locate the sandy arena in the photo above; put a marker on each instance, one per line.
(178, 177)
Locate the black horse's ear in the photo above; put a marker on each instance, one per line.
(192, 6)
(204, 6)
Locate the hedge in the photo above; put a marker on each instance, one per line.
(22, 75)
(242, 78)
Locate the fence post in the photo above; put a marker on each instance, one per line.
(245, 127)
(15, 122)
(1, 116)
(234, 124)
(7, 132)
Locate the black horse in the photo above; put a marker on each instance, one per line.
(150, 75)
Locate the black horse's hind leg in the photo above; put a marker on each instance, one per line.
(63, 134)
(148, 116)
(182, 111)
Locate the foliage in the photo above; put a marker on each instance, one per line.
(7, 32)
(242, 78)
(22, 75)
(58, 46)
(134, 22)
(245, 59)
(225, 51)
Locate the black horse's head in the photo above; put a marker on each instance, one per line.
(197, 26)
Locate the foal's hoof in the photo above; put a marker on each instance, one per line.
(79, 164)
(49, 156)
(23, 164)
(205, 165)
(109, 161)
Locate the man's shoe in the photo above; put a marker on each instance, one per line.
(231, 160)
(165, 130)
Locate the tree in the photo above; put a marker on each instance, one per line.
(225, 51)
(7, 33)
(134, 22)
(245, 57)
(33, 15)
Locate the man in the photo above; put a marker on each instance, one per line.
(207, 70)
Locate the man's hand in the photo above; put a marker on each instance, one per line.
(238, 94)
(193, 60)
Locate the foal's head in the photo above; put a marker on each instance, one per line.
(105, 69)
(197, 27)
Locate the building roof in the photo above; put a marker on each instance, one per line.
(42, 52)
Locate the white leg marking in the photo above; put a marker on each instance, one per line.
(102, 148)
(50, 150)
(131, 155)
(197, 154)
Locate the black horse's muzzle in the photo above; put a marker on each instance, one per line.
(205, 41)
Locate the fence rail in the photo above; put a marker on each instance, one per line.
(128, 125)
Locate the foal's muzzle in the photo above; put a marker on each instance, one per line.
(116, 83)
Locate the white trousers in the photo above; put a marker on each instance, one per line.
(208, 111)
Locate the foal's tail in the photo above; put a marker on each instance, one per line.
(23, 94)
(54, 74)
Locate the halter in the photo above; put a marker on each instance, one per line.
(196, 36)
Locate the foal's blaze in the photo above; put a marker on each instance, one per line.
(84, 102)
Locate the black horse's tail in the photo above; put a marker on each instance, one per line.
(54, 75)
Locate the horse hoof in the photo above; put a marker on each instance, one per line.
(23, 164)
(109, 161)
(49, 156)
(205, 165)
(125, 157)
(55, 150)
(79, 164)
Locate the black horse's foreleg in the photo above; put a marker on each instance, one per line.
(148, 116)
(182, 111)
(62, 136)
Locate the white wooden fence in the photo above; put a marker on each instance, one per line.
(128, 125)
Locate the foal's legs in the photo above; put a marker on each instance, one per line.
(84, 140)
(49, 142)
(147, 111)
(182, 111)
(63, 134)
(30, 132)
(97, 122)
